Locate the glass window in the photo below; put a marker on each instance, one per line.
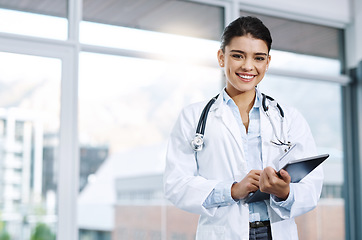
(33, 24)
(176, 17)
(170, 46)
(282, 60)
(320, 104)
(29, 128)
(128, 106)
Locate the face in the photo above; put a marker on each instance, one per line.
(245, 62)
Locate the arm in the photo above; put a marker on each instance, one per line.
(182, 184)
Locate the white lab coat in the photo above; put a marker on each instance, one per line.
(190, 178)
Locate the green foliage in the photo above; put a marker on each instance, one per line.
(4, 235)
(42, 232)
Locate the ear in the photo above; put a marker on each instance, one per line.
(268, 62)
(221, 58)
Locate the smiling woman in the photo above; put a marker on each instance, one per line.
(238, 158)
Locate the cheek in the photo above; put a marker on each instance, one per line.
(262, 69)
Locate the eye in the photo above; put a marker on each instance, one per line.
(260, 59)
(237, 56)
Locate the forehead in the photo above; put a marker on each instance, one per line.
(247, 43)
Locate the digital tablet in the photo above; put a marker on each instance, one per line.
(297, 170)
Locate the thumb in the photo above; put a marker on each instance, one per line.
(285, 175)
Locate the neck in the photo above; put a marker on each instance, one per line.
(244, 100)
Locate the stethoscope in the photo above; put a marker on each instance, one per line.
(198, 142)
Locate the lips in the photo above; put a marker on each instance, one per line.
(245, 77)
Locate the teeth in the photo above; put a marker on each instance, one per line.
(246, 76)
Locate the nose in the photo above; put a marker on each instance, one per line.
(247, 65)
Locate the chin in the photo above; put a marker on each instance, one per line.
(244, 88)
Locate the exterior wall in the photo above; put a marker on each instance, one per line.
(324, 222)
(146, 223)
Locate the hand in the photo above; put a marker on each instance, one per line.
(249, 184)
(271, 183)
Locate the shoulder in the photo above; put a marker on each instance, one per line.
(292, 116)
(190, 114)
(290, 112)
(294, 119)
(193, 110)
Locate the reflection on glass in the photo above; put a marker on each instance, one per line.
(29, 126)
(305, 63)
(186, 18)
(320, 104)
(127, 107)
(148, 41)
(24, 23)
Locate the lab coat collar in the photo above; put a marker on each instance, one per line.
(219, 103)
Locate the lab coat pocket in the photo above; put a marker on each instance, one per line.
(210, 233)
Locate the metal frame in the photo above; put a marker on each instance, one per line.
(352, 129)
(68, 161)
(68, 146)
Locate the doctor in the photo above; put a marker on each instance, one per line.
(241, 150)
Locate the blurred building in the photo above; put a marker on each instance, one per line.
(21, 165)
(91, 158)
(128, 203)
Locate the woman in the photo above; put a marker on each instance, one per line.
(240, 152)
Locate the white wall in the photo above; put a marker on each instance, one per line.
(354, 35)
(327, 12)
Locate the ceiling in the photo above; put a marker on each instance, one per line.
(189, 19)
(170, 16)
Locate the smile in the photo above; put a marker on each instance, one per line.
(245, 77)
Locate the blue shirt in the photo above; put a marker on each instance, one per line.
(221, 194)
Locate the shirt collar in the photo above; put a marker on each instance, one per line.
(227, 99)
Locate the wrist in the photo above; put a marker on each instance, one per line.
(234, 192)
(284, 195)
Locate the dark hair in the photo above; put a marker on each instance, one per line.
(243, 26)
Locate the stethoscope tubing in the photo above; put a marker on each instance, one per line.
(197, 142)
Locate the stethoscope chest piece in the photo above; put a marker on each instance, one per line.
(198, 142)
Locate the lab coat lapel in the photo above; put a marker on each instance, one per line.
(223, 112)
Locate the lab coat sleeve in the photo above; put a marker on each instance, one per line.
(182, 185)
(307, 192)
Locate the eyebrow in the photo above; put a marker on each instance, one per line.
(242, 52)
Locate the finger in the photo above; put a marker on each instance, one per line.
(264, 181)
(268, 173)
(255, 172)
(258, 172)
(285, 175)
(254, 175)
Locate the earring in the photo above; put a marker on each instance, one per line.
(221, 64)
